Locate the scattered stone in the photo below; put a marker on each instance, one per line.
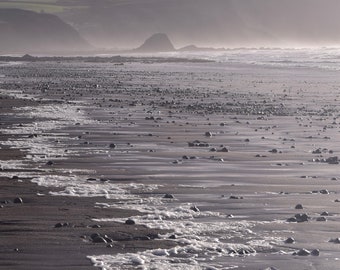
(324, 191)
(130, 222)
(315, 252)
(194, 208)
(299, 218)
(60, 225)
(235, 197)
(299, 206)
(321, 219)
(325, 214)
(173, 236)
(49, 163)
(208, 134)
(99, 239)
(113, 145)
(290, 240)
(197, 143)
(302, 252)
(333, 160)
(224, 149)
(335, 240)
(168, 196)
(18, 200)
(96, 226)
(274, 151)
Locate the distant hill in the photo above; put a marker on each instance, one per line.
(157, 43)
(194, 48)
(24, 31)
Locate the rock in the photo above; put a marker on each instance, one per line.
(275, 151)
(130, 222)
(60, 225)
(194, 208)
(157, 43)
(302, 217)
(49, 163)
(299, 206)
(113, 145)
(208, 134)
(96, 226)
(235, 197)
(168, 196)
(302, 252)
(173, 236)
(18, 200)
(324, 191)
(290, 240)
(321, 219)
(94, 235)
(332, 160)
(99, 239)
(335, 240)
(325, 214)
(197, 143)
(225, 150)
(315, 252)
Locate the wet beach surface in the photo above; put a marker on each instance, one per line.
(246, 154)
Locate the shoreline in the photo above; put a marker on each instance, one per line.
(30, 235)
(237, 146)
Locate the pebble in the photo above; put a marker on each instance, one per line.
(194, 208)
(18, 200)
(299, 206)
(302, 252)
(130, 222)
(113, 145)
(290, 240)
(321, 219)
(168, 196)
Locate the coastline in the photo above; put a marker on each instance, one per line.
(238, 146)
(30, 235)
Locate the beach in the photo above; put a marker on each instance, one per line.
(173, 165)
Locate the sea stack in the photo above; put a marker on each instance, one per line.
(157, 43)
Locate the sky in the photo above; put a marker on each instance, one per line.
(207, 23)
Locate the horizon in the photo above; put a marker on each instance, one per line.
(230, 24)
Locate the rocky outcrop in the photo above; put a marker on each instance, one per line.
(157, 43)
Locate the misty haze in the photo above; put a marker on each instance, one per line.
(169, 134)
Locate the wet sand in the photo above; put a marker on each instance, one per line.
(246, 142)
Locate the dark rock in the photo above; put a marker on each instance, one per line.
(324, 191)
(290, 240)
(94, 235)
(235, 197)
(332, 160)
(130, 222)
(49, 163)
(302, 252)
(157, 43)
(99, 239)
(194, 208)
(18, 200)
(302, 217)
(299, 206)
(113, 145)
(321, 219)
(173, 236)
(315, 252)
(168, 196)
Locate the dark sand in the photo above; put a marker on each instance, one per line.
(151, 111)
(28, 236)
